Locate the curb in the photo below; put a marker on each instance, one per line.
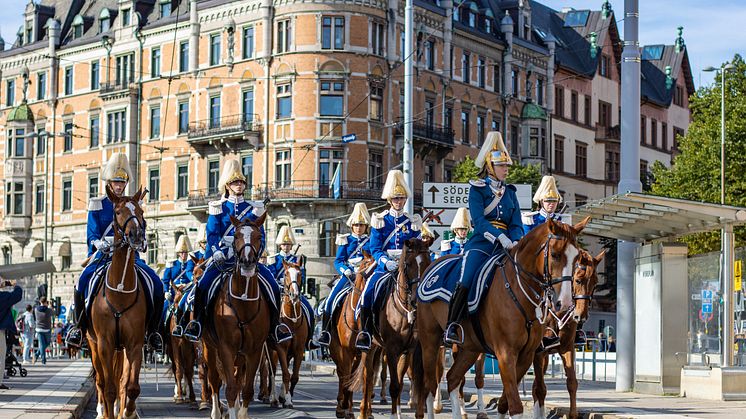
(78, 402)
(323, 368)
(552, 410)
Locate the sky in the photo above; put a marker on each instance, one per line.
(712, 30)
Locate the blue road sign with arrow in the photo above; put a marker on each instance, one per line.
(349, 138)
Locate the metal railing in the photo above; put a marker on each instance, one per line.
(201, 197)
(608, 133)
(113, 87)
(232, 124)
(434, 132)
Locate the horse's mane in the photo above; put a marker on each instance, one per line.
(538, 235)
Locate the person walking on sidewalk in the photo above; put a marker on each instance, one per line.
(29, 328)
(10, 294)
(43, 314)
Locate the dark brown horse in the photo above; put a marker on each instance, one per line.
(342, 347)
(183, 355)
(239, 324)
(511, 316)
(119, 314)
(394, 332)
(206, 394)
(585, 279)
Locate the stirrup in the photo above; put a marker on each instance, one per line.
(325, 338)
(178, 331)
(193, 335)
(454, 329)
(74, 337)
(580, 338)
(156, 342)
(282, 335)
(362, 342)
(548, 343)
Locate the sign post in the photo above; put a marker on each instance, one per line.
(737, 276)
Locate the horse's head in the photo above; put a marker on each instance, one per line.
(363, 270)
(292, 279)
(199, 268)
(584, 283)
(247, 243)
(414, 260)
(129, 220)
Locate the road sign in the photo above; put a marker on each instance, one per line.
(63, 310)
(737, 275)
(349, 138)
(456, 195)
(706, 301)
(707, 308)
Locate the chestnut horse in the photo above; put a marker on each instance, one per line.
(182, 353)
(238, 324)
(342, 347)
(119, 314)
(511, 317)
(395, 331)
(585, 279)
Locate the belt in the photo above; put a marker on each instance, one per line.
(499, 224)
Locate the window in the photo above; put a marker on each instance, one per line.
(465, 126)
(165, 8)
(94, 75)
(68, 80)
(652, 52)
(284, 101)
(514, 139)
(540, 91)
(401, 104)
(182, 181)
(67, 194)
(20, 143)
(678, 133)
(327, 244)
(654, 132)
(10, 93)
(430, 55)
(643, 130)
(576, 18)
(402, 43)
(68, 140)
(580, 200)
(215, 49)
(95, 129)
(14, 198)
(664, 136)
(41, 141)
(332, 32)
(104, 24)
(41, 86)
(92, 186)
(514, 82)
(430, 113)
(378, 38)
(247, 167)
(329, 161)
(77, 29)
(481, 64)
(152, 248)
(429, 171)
(125, 69)
(125, 17)
(448, 122)
(215, 111)
(495, 122)
(213, 175)
(534, 143)
(559, 153)
(282, 169)
(604, 65)
(678, 96)
(465, 69)
(155, 63)
(612, 165)
(183, 56)
(376, 101)
(574, 106)
(40, 204)
(559, 101)
(581, 159)
(283, 36)
(447, 173)
(154, 184)
(332, 98)
(375, 170)
(155, 122)
(587, 110)
(480, 128)
(247, 45)
(498, 81)
(604, 113)
(247, 106)
(183, 117)
(116, 127)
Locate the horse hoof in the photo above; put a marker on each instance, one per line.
(480, 415)
(437, 410)
(178, 401)
(203, 406)
(281, 399)
(265, 400)
(287, 405)
(274, 404)
(339, 414)
(384, 401)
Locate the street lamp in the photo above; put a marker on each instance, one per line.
(726, 235)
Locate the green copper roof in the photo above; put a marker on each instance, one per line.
(533, 111)
(21, 113)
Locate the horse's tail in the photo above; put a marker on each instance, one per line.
(418, 371)
(354, 382)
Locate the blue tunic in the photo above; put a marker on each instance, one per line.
(180, 272)
(452, 247)
(349, 255)
(390, 231)
(536, 218)
(278, 271)
(199, 254)
(502, 218)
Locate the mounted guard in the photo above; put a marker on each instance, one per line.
(286, 240)
(461, 226)
(179, 273)
(201, 241)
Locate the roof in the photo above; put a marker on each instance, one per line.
(21, 113)
(22, 270)
(655, 59)
(637, 217)
(533, 111)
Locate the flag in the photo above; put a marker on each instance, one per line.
(335, 187)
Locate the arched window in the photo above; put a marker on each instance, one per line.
(104, 21)
(78, 27)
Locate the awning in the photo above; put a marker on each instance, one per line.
(38, 251)
(22, 270)
(637, 217)
(66, 249)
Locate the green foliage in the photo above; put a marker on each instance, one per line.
(465, 170)
(529, 174)
(695, 174)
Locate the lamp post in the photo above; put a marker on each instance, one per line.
(726, 237)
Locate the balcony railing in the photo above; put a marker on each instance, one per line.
(112, 87)
(433, 132)
(310, 189)
(608, 133)
(224, 126)
(201, 197)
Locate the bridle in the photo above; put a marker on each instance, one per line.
(292, 296)
(411, 300)
(125, 240)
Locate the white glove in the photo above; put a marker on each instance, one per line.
(102, 245)
(218, 256)
(348, 273)
(505, 242)
(229, 252)
(167, 296)
(391, 265)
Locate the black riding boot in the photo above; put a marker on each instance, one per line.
(178, 330)
(155, 340)
(280, 332)
(325, 338)
(193, 330)
(363, 340)
(457, 309)
(74, 336)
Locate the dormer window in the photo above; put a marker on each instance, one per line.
(125, 17)
(488, 25)
(472, 15)
(29, 33)
(78, 27)
(19, 36)
(165, 8)
(104, 21)
(456, 13)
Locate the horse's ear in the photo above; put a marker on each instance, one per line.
(599, 257)
(195, 259)
(428, 242)
(284, 264)
(366, 254)
(235, 221)
(552, 225)
(581, 225)
(110, 193)
(138, 195)
(260, 221)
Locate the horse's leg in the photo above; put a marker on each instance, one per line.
(205, 394)
(133, 382)
(227, 361)
(263, 394)
(439, 367)
(272, 373)
(287, 401)
(479, 382)
(502, 406)
(297, 358)
(568, 359)
(432, 366)
(509, 377)
(455, 376)
(539, 388)
(392, 362)
(98, 369)
(252, 364)
(382, 394)
(215, 382)
(366, 410)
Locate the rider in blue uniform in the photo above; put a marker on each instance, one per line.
(494, 209)
(201, 241)
(391, 229)
(350, 249)
(100, 237)
(219, 249)
(179, 272)
(460, 227)
(425, 232)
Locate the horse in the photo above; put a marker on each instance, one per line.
(119, 314)
(238, 324)
(342, 347)
(510, 318)
(585, 279)
(395, 332)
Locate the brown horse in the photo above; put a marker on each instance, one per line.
(206, 394)
(119, 314)
(395, 331)
(342, 347)
(239, 324)
(510, 316)
(585, 279)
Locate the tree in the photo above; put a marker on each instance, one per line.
(465, 171)
(695, 173)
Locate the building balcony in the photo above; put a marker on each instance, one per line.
(114, 90)
(235, 128)
(314, 189)
(198, 199)
(605, 133)
(429, 133)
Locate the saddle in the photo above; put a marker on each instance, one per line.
(97, 281)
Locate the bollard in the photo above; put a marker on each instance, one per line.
(553, 361)
(593, 368)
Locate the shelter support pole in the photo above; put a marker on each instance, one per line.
(728, 293)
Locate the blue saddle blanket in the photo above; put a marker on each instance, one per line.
(264, 286)
(100, 279)
(443, 276)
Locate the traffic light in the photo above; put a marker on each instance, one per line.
(57, 303)
(41, 291)
(310, 286)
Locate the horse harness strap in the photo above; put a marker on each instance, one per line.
(118, 315)
(241, 323)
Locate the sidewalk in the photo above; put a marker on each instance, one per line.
(59, 389)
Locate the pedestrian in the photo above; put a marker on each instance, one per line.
(28, 330)
(57, 340)
(43, 314)
(10, 294)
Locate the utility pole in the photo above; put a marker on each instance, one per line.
(407, 152)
